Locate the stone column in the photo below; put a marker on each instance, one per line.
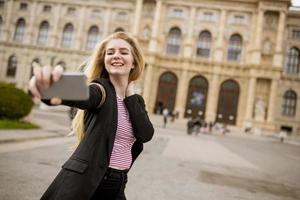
(137, 17)
(31, 33)
(9, 26)
(25, 72)
(107, 22)
(3, 64)
(155, 29)
(212, 98)
(79, 39)
(272, 101)
(250, 99)
(278, 57)
(151, 58)
(188, 47)
(56, 33)
(182, 91)
(147, 85)
(218, 54)
(256, 51)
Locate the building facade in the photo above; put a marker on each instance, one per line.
(235, 61)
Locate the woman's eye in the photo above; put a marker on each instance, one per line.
(124, 53)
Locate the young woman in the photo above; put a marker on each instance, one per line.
(111, 125)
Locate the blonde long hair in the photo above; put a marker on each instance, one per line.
(96, 68)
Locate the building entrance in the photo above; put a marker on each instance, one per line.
(228, 102)
(196, 100)
(166, 92)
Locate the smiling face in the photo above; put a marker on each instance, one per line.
(118, 58)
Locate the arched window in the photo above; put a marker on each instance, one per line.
(1, 27)
(12, 66)
(289, 103)
(43, 33)
(120, 29)
(92, 38)
(292, 64)
(204, 44)
(235, 48)
(174, 41)
(20, 30)
(67, 36)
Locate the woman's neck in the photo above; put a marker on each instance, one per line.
(120, 85)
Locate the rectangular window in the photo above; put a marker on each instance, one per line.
(47, 8)
(207, 16)
(23, 6)
(239, 19)
(122, 15)
(96, 13)
(177, 13)
(296, 33)
(204, 53)
(71, 11)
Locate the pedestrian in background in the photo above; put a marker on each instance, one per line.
(111, 125)
(282, 135)
(197, 125)
(165, 116)
(210, 127)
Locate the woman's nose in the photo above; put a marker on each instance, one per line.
(116, 56)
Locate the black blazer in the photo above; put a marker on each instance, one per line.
(82, 172)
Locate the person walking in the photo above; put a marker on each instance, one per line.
(111, 125)
(165, 116)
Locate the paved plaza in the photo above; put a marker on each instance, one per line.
(208, 167)
(173, 166)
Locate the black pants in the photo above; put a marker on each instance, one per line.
(112, 185)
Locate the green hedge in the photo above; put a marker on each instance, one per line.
(14, 103)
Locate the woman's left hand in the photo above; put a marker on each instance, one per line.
(130, 89)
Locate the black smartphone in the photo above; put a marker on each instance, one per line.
(71, 86)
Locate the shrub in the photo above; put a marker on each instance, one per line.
(14, 103)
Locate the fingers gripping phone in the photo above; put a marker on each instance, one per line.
(71, 86)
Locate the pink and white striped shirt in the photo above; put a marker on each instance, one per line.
(121, 157)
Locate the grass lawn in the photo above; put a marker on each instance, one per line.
(15, 124)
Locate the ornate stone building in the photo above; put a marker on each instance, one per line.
(234, 61)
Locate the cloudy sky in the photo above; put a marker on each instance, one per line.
(296, 2)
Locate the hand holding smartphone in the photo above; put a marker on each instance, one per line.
(56, 85)
(71, 86)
